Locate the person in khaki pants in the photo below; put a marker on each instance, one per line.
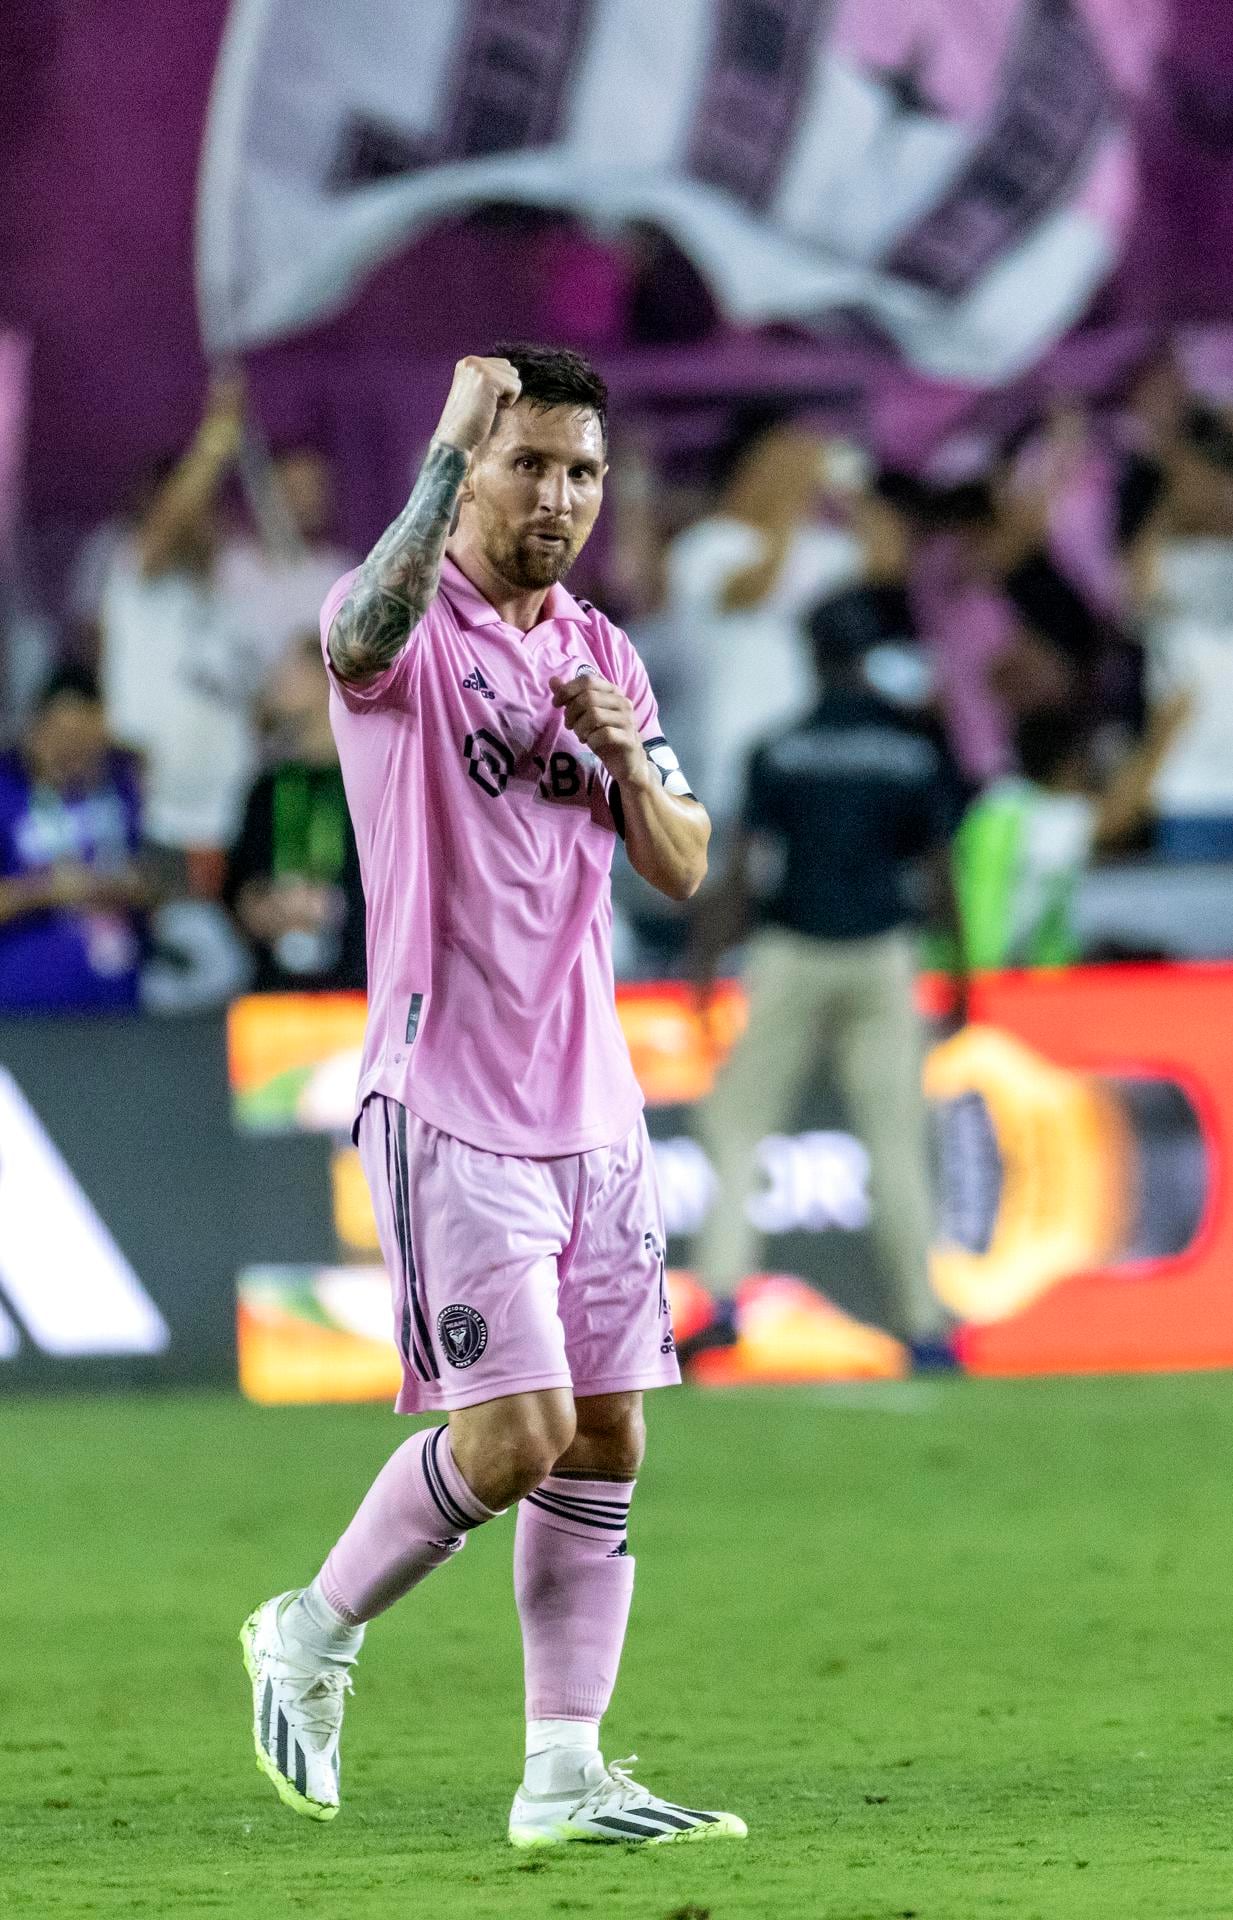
(838, 808)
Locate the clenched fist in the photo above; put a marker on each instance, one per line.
(479, 388)
(603, 719)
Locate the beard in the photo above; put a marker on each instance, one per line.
(525, 564)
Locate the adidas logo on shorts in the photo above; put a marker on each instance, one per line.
(476, 683)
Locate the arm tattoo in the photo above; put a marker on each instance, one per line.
(396, 584)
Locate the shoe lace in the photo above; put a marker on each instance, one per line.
(320, 1704)
(628, 1792)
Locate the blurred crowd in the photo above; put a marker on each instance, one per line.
(918, 704)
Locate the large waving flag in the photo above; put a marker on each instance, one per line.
(958, 172)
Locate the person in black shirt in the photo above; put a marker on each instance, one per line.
(293, 876)
(840, 810)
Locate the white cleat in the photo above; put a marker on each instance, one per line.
(612, 1807)
(297, 1715)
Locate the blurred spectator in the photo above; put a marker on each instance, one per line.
(275, 582)
(293, 879)
(1188, 579)
(72, 892)
(1024, 845)
(839, 806)
(738, 585)
(960, 611)
(194, 618)
(1018, 619)
(179, 674)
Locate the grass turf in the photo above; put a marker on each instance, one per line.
(953, 1651)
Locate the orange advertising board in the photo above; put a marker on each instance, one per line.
(1082, 1122)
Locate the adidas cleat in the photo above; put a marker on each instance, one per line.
(297, 1716)
(613, 1808)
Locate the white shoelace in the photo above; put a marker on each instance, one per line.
(628, 1792)
(320, 1704)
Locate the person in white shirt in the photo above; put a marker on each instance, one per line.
(194, 624)
(277, 578)
(179, 671)
(739, 584)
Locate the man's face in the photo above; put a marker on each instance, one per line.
(297, 702)
(534, 490)
(305, 487)
(67, 743)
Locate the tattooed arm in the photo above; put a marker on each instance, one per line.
(396, 584)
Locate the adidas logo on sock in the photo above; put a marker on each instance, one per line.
(476, 683)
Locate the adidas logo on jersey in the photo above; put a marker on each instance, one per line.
(476, 683)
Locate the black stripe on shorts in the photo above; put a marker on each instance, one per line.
(413, 1279)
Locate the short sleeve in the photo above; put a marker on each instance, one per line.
(635, 684)
(933, 815)
(759, 811)
(391, 688)
(619, 660)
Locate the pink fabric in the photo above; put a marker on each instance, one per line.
(515, 1275)
(966, 625)
(486, 839)
(573, 1581)
(414, 1516)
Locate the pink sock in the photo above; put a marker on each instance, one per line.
(416, 1513)
(573, 1580)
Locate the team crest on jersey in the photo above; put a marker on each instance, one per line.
(463, 1334)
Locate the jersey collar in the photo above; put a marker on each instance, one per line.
(473, 610)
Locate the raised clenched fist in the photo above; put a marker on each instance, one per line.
(479, 388)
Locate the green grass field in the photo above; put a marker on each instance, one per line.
(955, 1652)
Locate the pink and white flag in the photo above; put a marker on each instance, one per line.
(958, 172)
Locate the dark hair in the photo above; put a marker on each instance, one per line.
(556, 377)
(749, 423)
(1045, 741)
(849, 623)
(936, 508)
(69, 678)
(1047, 602)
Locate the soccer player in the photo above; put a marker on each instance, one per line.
(495, 734)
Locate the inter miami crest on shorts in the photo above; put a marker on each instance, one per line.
(463, 1334)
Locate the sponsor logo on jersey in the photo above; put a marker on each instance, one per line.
(476, 683)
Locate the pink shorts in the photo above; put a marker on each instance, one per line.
(509, 1275)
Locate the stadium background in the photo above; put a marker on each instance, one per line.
(999, 1623)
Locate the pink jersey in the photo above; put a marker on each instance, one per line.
(486, 835)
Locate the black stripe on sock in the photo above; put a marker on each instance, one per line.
(547, 1504)
(605, 1507)
(552, 1505)
(413, 1279)
(444, 1501)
